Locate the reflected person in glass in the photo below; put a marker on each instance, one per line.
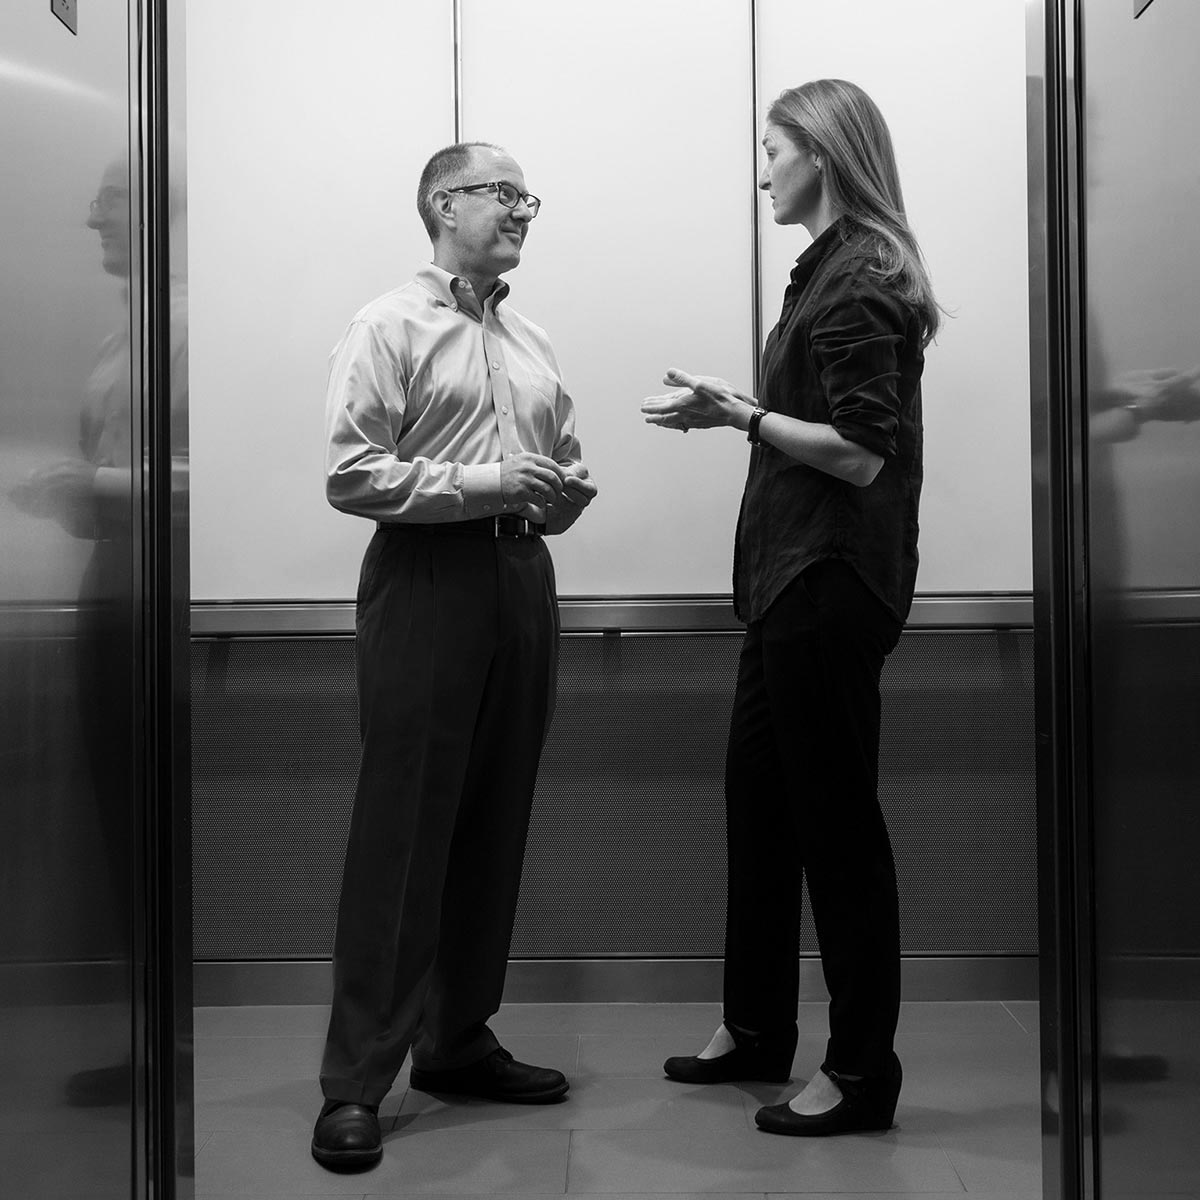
(1143, 670)
(90, 494)
(825, 564)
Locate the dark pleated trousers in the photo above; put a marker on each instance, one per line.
(457, 653)
(802, 773)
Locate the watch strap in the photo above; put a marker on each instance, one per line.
(752, 429)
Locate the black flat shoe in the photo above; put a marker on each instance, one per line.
(755, 1058)
(498, 1076)
(867, 1105)
(1134, 1068)
(346, 1137)
(101, 1087)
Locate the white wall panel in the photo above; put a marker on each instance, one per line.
(632, 122)
(949, 77)
(308, 125)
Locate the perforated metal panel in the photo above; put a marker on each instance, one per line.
(626, 847)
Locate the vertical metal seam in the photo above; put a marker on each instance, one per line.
(456, 23)
(1078, 632)
(756, 320)
(163, 990)
(144, 1143)
(1040, 146)
(1085, 919)
(1061, 612)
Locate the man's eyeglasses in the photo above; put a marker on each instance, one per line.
(108, 198)
(505, 193)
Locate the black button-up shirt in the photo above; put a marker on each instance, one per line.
(846, 352)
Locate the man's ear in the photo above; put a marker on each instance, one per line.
(442, 204)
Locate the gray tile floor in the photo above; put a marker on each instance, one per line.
(968, 1120)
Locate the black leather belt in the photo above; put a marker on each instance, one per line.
(504, 526)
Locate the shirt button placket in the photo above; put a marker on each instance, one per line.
(501, 396)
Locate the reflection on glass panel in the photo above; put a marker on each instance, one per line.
(67, 715)
(1143, 255)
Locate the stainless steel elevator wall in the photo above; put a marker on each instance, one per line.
(69, 604)
(1141, 130)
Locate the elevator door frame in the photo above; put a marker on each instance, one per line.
(165, 1149)
(1060, 599)
(1061, 646)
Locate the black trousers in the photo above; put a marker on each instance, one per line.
(107, 685)
(801, 789)
(457, 652)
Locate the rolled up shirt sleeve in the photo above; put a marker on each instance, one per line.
(856, 345)
(365, 471)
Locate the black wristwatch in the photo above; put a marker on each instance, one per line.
(752, 429)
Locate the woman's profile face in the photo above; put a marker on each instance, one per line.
(790, 177)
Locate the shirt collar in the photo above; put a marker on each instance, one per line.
(445, 287)
(819, 248)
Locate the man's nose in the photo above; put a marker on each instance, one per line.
(764, 180)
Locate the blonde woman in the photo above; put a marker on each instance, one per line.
(824, 570)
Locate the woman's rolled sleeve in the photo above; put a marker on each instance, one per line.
(856, 345)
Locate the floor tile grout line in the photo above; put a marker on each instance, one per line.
(1013, 1015)
(950, 1163)
(567, 1163)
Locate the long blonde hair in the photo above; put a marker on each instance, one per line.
(839, 122)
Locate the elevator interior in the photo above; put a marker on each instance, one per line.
(1103, 610)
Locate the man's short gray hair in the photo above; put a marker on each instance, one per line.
(447, 168)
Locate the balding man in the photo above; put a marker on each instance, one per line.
(448, 426)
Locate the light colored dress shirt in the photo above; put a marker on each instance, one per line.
(429, 392)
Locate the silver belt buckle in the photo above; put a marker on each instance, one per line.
(523, 527)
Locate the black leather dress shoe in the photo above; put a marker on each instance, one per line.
(1123, 1067)
(866, 1105)
(497, 1076)
(101, 1086)
(764, 1058)
(346, 1137)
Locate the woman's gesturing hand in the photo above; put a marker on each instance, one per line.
(698, 402)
